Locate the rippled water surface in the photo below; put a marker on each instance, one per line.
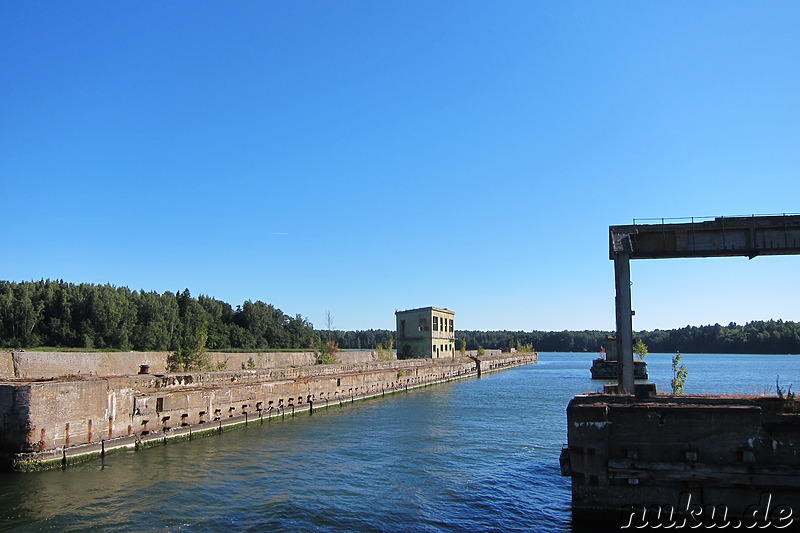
(474, 455)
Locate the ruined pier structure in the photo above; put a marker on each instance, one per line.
(639, 455)
(697, 460)
(748, 236)
(61, 408)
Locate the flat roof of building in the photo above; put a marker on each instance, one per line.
(431, 308)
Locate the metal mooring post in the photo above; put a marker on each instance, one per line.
(622, 277)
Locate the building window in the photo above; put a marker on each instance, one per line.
(451, 325)
(435, 320)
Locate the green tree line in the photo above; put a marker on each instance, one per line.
(773, 336)
(360, 340)
(560, 341)
(59, 314)
(767, 337)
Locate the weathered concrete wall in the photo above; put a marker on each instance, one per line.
(240, 361)
(42, 417)
(488, 353)
(629, 454)
(47, 365)
(6, 365)
(78, 412)
(15, 416)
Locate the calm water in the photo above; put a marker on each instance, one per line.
(476, 455)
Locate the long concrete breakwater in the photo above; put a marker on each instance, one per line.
(56, 422)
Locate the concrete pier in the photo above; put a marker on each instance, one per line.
(651, 461)
(55, 422)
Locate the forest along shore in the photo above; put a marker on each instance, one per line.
(56, 313)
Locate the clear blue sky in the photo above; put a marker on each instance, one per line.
(363, 157)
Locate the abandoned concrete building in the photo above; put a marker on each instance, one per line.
(425, 332)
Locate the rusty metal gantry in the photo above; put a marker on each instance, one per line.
(748, 236)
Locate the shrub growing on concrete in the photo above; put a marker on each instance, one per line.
(679, 374)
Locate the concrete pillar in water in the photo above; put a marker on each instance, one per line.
(622, 278)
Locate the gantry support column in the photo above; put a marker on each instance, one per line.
(622, 278)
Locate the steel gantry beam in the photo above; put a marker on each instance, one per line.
(748, 236)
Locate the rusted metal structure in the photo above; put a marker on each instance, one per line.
(748, 236)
